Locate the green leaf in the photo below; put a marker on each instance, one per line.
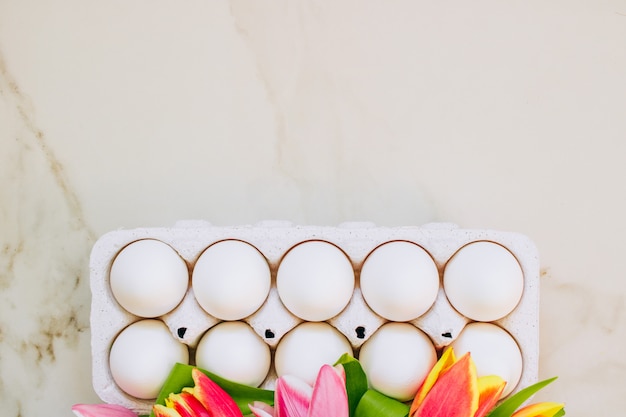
(356, 381)
(511, 404)
(180, 377)
(375, 404)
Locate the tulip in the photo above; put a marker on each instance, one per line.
(489, 391)
(295, 398)
(102, 410)
(184, 405)
(205, 399)
(452, 389)
(545, 409)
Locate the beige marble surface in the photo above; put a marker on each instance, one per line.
(488, 114)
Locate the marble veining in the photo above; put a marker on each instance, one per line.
(44, 298)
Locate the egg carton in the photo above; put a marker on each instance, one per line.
(357, 322)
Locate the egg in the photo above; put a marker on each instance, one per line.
(315, 280)
(231, 280)
(234, 351)
(397, 359)
(308, 346)
(143, 355)
(399, 281)
(494, 352)
(483, 281)
(148, 278)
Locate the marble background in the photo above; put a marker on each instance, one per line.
(489, 114)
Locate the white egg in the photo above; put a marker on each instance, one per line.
(397, 359)
(234, 351)
(494, 352)
(307, 347)
(148, 278)
(399, 281)
(315, 280)
(231, 280)
(143, 355)
(483, 281)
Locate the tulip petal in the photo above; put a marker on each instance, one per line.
(213, 398)
(544, 409)
(260, 409)
(454, 394)
(329, 393)
(163, 411)
(446, 361)
(186, 405)
(293, 397)
(356, 380)
(339, 370)
(102, 410)
(489, 390)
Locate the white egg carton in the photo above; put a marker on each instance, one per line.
(442, 323)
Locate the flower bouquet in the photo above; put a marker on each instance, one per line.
(451, 389)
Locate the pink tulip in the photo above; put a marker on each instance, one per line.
(102, 410)
(295, 398)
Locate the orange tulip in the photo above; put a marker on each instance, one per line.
(490, 389)
(452, 389)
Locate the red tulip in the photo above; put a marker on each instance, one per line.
(205, 399)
